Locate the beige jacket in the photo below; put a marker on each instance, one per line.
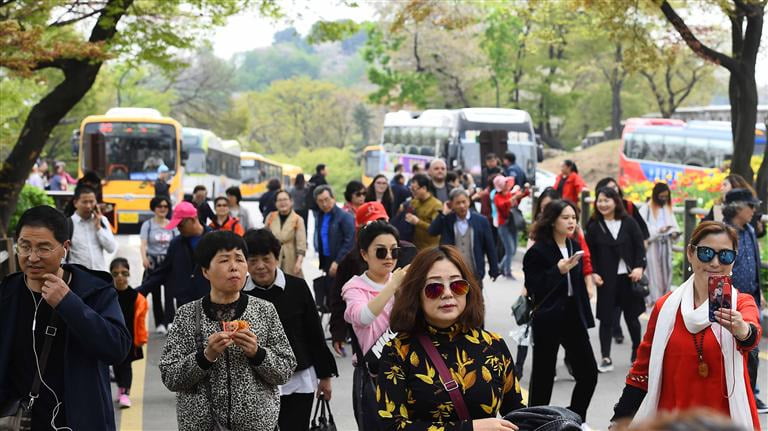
(292, 237)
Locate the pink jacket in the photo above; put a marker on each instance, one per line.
(357, 293)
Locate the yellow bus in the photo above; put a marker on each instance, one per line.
(125, 147)
(289, 174)
(255, 171)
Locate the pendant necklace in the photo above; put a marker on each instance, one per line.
(703, 367)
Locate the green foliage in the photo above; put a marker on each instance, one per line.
(342, 165)
(29, 197)
(259, 68)
(332, 31)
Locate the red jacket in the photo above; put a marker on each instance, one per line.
(505, 202)
(572, 188)
(232, 224)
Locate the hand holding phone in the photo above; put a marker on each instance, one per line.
(719, 288)
(577, 255)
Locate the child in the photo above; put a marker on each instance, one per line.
(134, 307)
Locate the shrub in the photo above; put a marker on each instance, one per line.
(29, 197)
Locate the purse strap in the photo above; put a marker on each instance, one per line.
(449, 384)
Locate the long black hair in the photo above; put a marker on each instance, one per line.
(549, 192)
(544, 228)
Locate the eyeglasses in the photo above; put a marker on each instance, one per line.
(123, 273)
(162, 206)
(24, 250)
(382, 253)
(435, 290)
(221, 205)
(706, 254)
(359, 193)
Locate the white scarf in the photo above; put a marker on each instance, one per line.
(695, 321)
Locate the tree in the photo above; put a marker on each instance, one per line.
(42, 35)
(504, 45)
(362, 118)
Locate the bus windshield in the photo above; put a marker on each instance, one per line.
(128, 150)
(372, 163)
(196, 161)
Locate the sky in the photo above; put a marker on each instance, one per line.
(248, 31)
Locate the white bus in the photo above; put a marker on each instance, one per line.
(210, 162)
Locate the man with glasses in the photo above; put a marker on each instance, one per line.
(60, 327)
(178, 271)
(424, 208)
(738, 210)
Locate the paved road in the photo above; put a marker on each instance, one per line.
(154, 406)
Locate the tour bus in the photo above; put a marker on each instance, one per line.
(125, 147)
(462, 137)
(664, 149)
(255, 171)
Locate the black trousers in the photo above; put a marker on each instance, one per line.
(159, 305)
(124, 374)
(304, 214)
(624, 303)
(753, 361)
(573, 336)
(295, 411)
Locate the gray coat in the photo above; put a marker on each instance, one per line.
(245, 396)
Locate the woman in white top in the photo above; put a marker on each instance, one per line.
(663, 230)
(155, 239)
(618, 259)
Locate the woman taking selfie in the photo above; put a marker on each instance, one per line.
(554, 280)
(686, 360)
(438, 315)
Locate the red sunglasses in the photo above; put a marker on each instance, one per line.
(435, 290)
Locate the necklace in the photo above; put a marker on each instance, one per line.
(703, 367)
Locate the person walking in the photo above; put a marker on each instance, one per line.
(442, 360)
(354, 196)
(200, 201)
(224, 220)
(234, 197)
(369, 298)
(686, 361)
(554, 280)
(736, 181)
(437, 173)
(162, 188)
(134, 308)
(469, 232)
(227, 352)
(35, 179)
(178, 272)
(91, 232)
(289, 228)
(267, 199)
(380, 191)
(505, 200)
(70, 311)
(618, 259)
(299, 193)
(424, 208)
(315, 365)
(335, 231)
(491, 169)
(663, 232)
(512, 170)
(569, 183)
(155, 240)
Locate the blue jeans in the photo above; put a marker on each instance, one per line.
(509, 240)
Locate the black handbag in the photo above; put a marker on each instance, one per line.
(521, 310)
(323, 423)
(545, 418)
(16, 415)
(516, 220)
(640, 288)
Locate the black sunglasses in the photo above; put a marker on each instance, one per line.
(706, 254)
(360, 193)
(382, 253)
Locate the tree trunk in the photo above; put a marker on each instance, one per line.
(742, 91)
(761, 185)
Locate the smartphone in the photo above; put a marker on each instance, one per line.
(719, 294)
(578, 254)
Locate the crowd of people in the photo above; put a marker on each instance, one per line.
(403, 265)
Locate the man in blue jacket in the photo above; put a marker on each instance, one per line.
(74, 311)
(178, 272)
(335, 230)
(469, 232)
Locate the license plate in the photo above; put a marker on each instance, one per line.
(128, 217)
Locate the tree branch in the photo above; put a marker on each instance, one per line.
(696, 46)
(74, 20)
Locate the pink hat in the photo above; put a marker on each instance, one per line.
(370, 211)
(499, 182)
(181, 211)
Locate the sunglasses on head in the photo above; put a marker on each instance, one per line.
(382, 253)
(706, 254)
(435, 290)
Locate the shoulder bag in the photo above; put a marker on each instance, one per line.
(217, 426)
(323, 423)
(449, 384)
(640, 288)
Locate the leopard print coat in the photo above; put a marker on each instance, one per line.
(245, 396)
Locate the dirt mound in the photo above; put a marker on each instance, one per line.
(596, 162)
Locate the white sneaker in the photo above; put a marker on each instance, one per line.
(606, 365)
(161, 329)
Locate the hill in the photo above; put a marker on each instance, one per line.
(596, 162)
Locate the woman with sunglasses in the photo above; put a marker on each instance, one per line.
(440, 306)
(223, 220)
(686, 361)
(562, 315)
(155, 239)
(354, 195)
(369, 299)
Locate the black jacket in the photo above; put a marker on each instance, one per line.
(179, 273)
(301, 323)
(542, 277)
(606, 253)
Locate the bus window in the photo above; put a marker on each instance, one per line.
(675, 150)
(655, 146)
(697, 154)
(719, 151)
(196, 161)
(372, 163)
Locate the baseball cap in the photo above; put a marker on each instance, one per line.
(499, 182)
(370, 211)
(181, 211)
(741, 195)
